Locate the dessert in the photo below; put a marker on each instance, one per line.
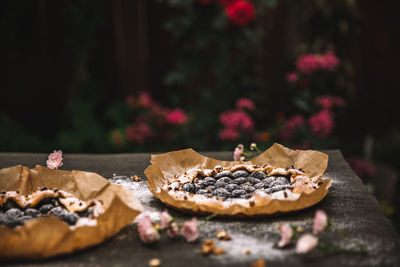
(16, 209)
(280, 180)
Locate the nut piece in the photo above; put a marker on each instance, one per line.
(207, 247)
(246, 251)
(222, 235)
(136, 178)
(218, 251)
(258, 263)
(155, 262)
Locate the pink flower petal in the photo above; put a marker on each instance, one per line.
(320, 222)
(189, 230)
(165, 219)
(286, 235)
(237, 154)
(306, 243)
(55, 160)
(147, 232)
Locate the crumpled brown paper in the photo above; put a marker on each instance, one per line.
(165, 166)
(49, 236)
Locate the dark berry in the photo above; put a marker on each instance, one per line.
(238, 193)
(45, 208)
(58, 211)
(220, 183)
(223, 174)
(71, 218)
(87, 212)
(221, 192)
(247, 188)
(258, 175)
(276, 188)
(240, 173)
(197, 187)
(253, 180)
(202, 192)
(268, 181)
(14, 213)
(259, 186)
(231, 187)
(240, 180)
(225, 180)
(25, 218)
(281, 181)
(32, 212)
(209, 180)
(189, 187)
(10, 205)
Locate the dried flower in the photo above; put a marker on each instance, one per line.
(286, 235)
(320, 222)
(173, 230)
(237, 154)
(147, 232)
(240, 12)
(165, 219)
(55, 160)
(189, 230)
(306, 243)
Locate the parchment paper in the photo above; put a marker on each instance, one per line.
(165, 166)
(49, 236)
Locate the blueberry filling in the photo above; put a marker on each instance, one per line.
(238, 184)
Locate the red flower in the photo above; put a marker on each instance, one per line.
(176, 116)
(307, 63)
(291, 125)
(138, 133)
(245, 103)
(328, 61)
(292, 77)
(229, 134)
(322, 123)
(240, 12)
(236, 119)
(328, 101)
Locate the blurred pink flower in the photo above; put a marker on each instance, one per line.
(236, 119)
(189, 230)
(322, 123)
(229, 134)
(173, 230)
(307, 63)
(306, 243)
(147, 232)
(328, 101)
(290, 126)
(138, 132)
(286, 235)
(320, 222)
(245, 103)
(145, 99)
(176, 116)
(328, 61)
(54, 160)
(291, 77)
(165, 219)
(362, 168)
(237, 154)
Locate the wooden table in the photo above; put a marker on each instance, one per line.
(353, 212)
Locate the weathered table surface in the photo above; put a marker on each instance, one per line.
(354, 214)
